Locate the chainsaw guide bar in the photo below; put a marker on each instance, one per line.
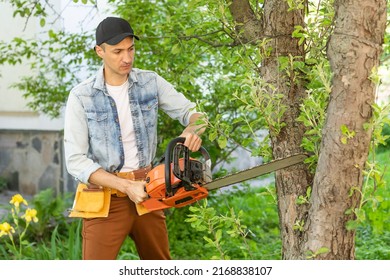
(255, 171)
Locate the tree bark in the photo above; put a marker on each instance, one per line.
(353, 50)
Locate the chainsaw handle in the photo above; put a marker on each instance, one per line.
(168, 155)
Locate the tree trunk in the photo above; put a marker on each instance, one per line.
(294, 181)
(353, 51)
(277, 24)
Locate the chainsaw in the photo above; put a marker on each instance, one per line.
(179, 180)
(182, 180)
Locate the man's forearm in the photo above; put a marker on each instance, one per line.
(135, 190)
(103, 178)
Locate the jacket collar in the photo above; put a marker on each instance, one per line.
(99, 81)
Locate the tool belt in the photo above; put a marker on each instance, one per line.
(92, 201)
(135, 175)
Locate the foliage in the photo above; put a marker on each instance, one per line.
(379, 125)
(375, 171)
(385, 58)
(386, 134)
(373, 233)
(379, 204)
(16, 232)
(3, 184)
(52, 79)
(373, 221)
(370, 246)
(253, 235)
(41, 232)
(313, 110)
(217, 228)
(51, 209)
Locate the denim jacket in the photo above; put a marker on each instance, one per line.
(92, 137)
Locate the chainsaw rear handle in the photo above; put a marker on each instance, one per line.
(168, 155)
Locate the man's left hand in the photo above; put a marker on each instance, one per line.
(193, 142)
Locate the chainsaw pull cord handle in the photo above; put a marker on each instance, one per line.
(167, 162)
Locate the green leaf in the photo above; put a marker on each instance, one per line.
(352, 225)
(308, 192)
(176, 49)
(344, 129)
(322, 250)
(208, 240)
(349, 211)
(42, 22)
(218, 235)
(222, 141)
(213, 135)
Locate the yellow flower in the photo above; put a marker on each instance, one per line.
(17, 199)
(6, 229)
(30, 215)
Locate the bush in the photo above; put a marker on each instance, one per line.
(385, 133)
(42, 232)
(3, 184)
(51, 213)
(371, 246)
(239, 224)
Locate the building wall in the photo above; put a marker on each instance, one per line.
(33, 161)
(31, 145)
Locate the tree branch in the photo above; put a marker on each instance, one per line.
(249, 28)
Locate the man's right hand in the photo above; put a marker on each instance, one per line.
(136, 191)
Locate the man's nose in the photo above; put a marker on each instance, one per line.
(127, 57)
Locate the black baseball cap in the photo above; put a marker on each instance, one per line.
(112, 30)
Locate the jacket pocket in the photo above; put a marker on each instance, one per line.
(149, 110)
(96, 116)
(97, 124)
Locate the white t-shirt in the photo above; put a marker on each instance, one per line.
(121, 97)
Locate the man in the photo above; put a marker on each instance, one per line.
(110, 138)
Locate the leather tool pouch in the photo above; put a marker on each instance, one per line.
(91, 202)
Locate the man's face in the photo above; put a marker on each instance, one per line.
(118, 60)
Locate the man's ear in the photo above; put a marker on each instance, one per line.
(99, 51)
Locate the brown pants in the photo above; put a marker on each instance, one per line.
(103, 237)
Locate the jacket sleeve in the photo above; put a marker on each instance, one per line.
(174, 103)
(76, 142)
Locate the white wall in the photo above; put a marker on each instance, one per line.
(14, 113)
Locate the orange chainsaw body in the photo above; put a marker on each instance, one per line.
(176, 192)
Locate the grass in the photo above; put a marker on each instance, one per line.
(373, 237)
